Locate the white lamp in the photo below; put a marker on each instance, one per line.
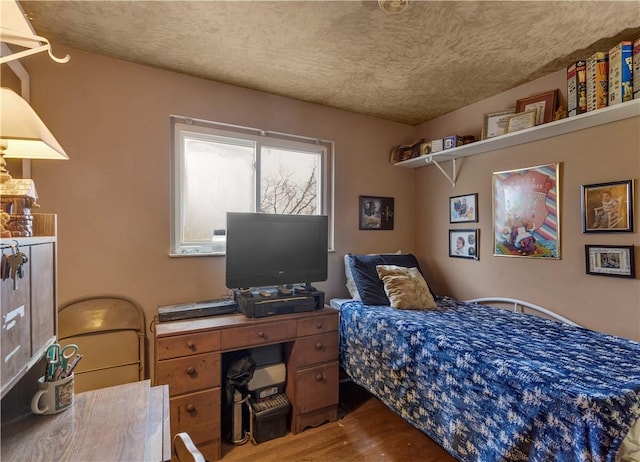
(23, 135)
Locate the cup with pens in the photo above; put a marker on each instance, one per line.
(55, 388)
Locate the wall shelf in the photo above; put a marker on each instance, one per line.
(559, 127)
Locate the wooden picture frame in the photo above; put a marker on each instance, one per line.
(545, 103)
(607, 207)
(610, 260)
(376, 213)
(464, 208)
(526, 212)
(521, 120)
(495, 123)
(464, 243)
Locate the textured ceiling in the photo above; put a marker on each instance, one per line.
(410, 67)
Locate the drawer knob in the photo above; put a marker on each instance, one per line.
(319, 377)
(318, 346)
(190, 408)
(319, 325)
(191, 345)
(261, 334)
(191, 370)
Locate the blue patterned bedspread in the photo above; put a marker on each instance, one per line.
(493, 385)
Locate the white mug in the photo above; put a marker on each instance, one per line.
(53, 397)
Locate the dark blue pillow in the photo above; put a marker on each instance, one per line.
(370, 286)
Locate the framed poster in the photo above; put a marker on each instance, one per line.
(463, 209)
(526, 212)
(544, 103)
(607, 207)
(463, 243)
(376, 213)
(610, 260)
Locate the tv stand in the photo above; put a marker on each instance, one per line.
(188, 358)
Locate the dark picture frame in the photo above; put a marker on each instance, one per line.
(607, 207)
(545, 103)
(610, 260)
(376, 213)
(464, 243)
(463, 208)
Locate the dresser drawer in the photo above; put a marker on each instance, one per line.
(185, 345)
(317, 387)
(191, 373)
(315, 349)
(197, 414)
(261, 334)
(318, 324)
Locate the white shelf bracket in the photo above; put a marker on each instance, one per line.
(14, 37)
(454, 171)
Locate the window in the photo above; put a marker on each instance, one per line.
(219, 168)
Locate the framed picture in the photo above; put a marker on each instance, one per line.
(526, 212)
(463, 243)
(610, 260)
(607, 207)
(463, 209)
(495, 123)
(376, 213)
(544, 103)
(521, 121)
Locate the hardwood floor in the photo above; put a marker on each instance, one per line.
(369, 431)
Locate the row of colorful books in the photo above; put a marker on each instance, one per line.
(604, 78)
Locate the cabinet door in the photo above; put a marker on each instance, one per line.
(15, 341)
(43, 307)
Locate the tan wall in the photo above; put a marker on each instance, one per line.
(113, 196)
(606, 153)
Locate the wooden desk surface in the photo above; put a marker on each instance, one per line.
(127, 422)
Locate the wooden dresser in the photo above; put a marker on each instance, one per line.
(189, 357)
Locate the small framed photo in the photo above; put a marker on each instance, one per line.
(521, 121)
(607, 207)
(464, 243)
(376, 213)
(463, 209)
(495, 123)
(545, 105)
(610, 260)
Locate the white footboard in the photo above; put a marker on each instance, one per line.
(520, 305)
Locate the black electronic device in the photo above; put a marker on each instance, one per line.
(197, 309)
(254, 305)
(265, 249)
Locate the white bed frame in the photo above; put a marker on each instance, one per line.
(519, 306)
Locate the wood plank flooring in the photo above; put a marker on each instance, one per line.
(369, 431)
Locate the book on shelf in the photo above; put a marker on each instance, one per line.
(636, 68)
(620, 69)
(577, 88)
(597, 80)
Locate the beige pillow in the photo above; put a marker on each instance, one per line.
(406, 288)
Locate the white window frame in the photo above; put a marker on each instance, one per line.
(180, 125)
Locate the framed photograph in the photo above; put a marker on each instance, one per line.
(521, 121)
(376, 213)
(544, 103)
(610, 260)
(463, 243)
(463, 209)
(495, 123)
(607, 207)
(526, 212)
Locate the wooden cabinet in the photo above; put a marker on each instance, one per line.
(28, 308)
(188, 358)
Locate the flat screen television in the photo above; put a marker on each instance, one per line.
(266, 249)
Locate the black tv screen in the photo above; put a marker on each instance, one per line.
(266, 249)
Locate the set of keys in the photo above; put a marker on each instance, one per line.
(11, 265)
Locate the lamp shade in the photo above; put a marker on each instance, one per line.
(22, 132)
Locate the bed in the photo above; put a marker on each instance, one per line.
(489, 384)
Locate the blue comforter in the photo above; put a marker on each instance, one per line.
(493, 385)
